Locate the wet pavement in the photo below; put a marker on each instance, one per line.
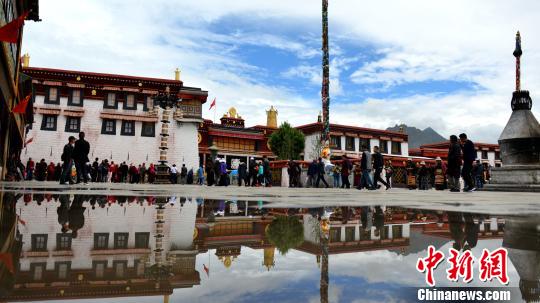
(200, 244)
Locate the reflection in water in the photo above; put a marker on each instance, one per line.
(83, 246)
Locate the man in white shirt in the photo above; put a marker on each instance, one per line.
(174, 174)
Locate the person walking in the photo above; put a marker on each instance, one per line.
(321, 173)
(174, 174)
(336, 174)
(479, 174)
(253, 170)
(95, 169)
(346, 167)
(183, 174)
(411, 169)
(210, 176)
(469, 155)
(142, 172)
(151, 173)
(242, 172)
(312, 173)
(378, 164)
(439, 174)
(80, 156)
(200, 175)
(389, 172)
(30, 166)
(267, 172)
(67, 158)
(454, 164)
(366, 165)
(423, 176)
(50, 171)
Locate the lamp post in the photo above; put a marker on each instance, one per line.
(167, 102)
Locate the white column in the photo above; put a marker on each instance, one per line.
(342, 233)
(342, 143)
(357, 232)
(357, 144)
(405, 149)
(407, 230)
(390, 234)
(389, 147)
(373, 142)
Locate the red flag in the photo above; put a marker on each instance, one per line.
(10, 31)
(7, 258)
(212, 104)
(206, 269)
(20, 108)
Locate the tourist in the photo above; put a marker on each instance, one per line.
(389, 173)
(30, 166)
(174, 174)
(260, 174)
(469, 155)
(411, 169)
(124, 169)
(41, 170)
(183, 174)
(142, 172)
(312, 173)
(76, 215)
(51, 172)
(189, 178)
(209, 173)
(253, 171)
(423, 176)
(267, 171)
(151, 173)
(346, 167)
(200, 175)
(378, 163)
(133, 174)
(357, 175)
(478, 173)
(217, 172)
(242, 173)
(336, 174)
(454, 163)
(80, 156)
(67, 158)
(224, 176)
(95, 169)
(57, 172)
(320, 173)
(366, 165)
(439, 174)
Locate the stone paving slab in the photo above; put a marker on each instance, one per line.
(482, 202)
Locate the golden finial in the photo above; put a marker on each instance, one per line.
(177, 74)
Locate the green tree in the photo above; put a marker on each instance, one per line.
(285, 233)
(287, 142)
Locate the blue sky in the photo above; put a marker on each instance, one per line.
(445, 64)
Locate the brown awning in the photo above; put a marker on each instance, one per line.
(74, 113)
(397, 139)
(365, 136)
(129, 117)
(47, 111)
(385, 138)
(336, 134)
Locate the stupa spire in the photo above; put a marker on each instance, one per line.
(517, 53)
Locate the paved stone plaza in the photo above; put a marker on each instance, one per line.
(507, 203)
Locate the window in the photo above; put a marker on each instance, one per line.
(108, 127)
(149, 104)
(349, 233)
(139, 268)
(52, 96)
(349, 143)
(396, 148)
(365, 144)
(148, 129)
(37, 270)
(484, 154)
(119, 268)
(335, 142)
(335, 234)
(365, 234)
(49, 122)
(385, 233)
(73, 124)
(141, 240)
(497, 155)
(128, 128)
(110, 101)
(229, 143)
(397, 231)
(62, 269)
(63, 241)
(101, 241)
(120, 240)
(39, 242)
(383, 146)
(75, 99)
(99, 268)
(130, 102)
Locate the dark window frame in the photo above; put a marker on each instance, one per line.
(33, 268)
(137, 239)
(361, 144)
(125, 106)
(398, 144)
(44, 124)
(106, 103)
(104, 128)
(116, 236)
(347, 141)
(34, 242)
(335, 142)
(68, 122)
(48, 99)
(152, 134)
(123, 129)
(383, 146)
(70, 98)
(57, 269)
(124, 262)
(145, 103)
(94, 268)
(96, 237)
(58, 241)
(484, 155)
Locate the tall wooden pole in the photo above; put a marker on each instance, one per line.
(517, 54)
(325, 91)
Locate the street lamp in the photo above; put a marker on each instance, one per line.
(167, 102)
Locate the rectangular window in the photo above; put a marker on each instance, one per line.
(497, 155)
(75, 99)
(335, 142)
(119, 268)
(149, 104)
(108, 127)
(110, 101)
(349, 233)
(396, 148)
(37, 270)
(383, 146)
(397, 231)
(148, 129)
(335, 234)
(49, 122)
(63, 241)
(52, 96)
(385, 233)
(349, 143)
(101, 241)
(139, 268)
(130, 102)
(99, 268)
(365, 234)
(62, 269)
(484, 154)
(141, 240)
(120, 240)
(128, 128)
(73, 124)
(365, 144)
(39, 242)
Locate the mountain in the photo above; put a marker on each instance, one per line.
(417, 136)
